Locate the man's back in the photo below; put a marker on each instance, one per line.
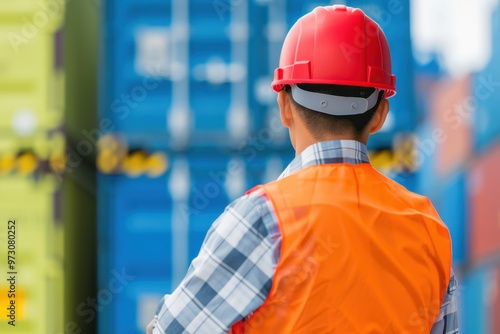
(359, 254)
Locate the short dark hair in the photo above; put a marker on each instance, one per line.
(320, 124)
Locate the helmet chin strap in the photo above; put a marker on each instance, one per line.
(333, 104)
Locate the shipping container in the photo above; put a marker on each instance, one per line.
(31, 88)
(134, 240)
(485, 95)
(135, 60)
(452, 207)
(33, 15)
(495, 298)
(137, 304)
(211, 66)
(177, 72)
(35, 10)
(451, 117)
(478, 292)
(27, 207)
(484, 236)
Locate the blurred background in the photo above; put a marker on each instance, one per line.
(127, 126)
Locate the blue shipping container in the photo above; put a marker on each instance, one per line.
(485, 97)
(178, 71)
(135, 65)
(474, 292)
(452, 208)
(135, 239)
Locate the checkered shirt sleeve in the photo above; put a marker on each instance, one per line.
(447, 319)
(232, 275)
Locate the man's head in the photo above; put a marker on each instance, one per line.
(307, 126)
(334, 76)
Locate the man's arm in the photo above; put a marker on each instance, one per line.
(447, 320)
(232, 275)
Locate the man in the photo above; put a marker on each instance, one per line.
(332, 246)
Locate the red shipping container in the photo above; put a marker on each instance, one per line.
(451, 114)
(484, 199)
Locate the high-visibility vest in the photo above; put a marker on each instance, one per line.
(359, 254)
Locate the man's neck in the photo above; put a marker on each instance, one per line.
(306, 140)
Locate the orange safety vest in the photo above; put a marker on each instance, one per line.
(359, 254)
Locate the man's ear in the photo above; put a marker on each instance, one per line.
(379, 117)
(285, 106)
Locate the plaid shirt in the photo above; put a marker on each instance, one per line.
(232, 275)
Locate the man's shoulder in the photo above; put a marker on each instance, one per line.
(254, 202)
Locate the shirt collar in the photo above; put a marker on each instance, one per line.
(329, 152)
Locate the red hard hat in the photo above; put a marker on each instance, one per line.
(336, 45)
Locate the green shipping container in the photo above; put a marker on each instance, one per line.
(31, 293)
